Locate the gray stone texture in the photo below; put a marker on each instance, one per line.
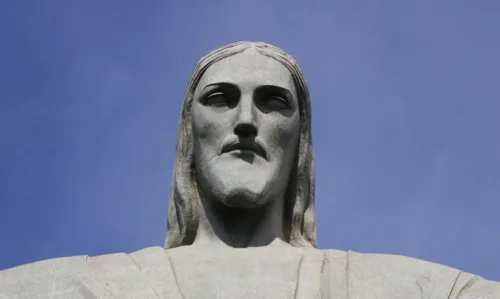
(241, 220)
(260, 272)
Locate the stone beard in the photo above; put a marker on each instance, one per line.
(241, 219)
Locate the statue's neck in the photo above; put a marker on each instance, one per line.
(234, 227)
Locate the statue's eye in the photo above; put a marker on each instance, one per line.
(217, 99)
(275, 102)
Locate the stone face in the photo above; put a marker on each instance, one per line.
(245, 130)
(241, 219)
(244, 173)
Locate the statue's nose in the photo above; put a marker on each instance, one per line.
(245, 118)
(245, 130)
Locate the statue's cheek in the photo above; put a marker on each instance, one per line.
(203, 128)
(209, 124)
(287, 132)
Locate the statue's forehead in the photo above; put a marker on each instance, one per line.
(249, 68)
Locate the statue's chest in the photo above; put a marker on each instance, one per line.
(245, 274)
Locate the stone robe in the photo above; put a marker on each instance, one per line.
(261, 272)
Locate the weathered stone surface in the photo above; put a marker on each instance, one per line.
(260, 272)
(241, 221)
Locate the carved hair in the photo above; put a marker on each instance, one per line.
(300, 220)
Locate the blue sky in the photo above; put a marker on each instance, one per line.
(406, 132)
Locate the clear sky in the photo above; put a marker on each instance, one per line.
(406, 125)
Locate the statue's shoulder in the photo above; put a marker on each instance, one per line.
(387, 275)
(145, 273)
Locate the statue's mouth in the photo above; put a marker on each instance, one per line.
(244, 146)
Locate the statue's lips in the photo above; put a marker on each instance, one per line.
(245, 147)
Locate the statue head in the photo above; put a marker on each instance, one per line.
(244, 140)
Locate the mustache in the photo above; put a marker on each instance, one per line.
(250, 144)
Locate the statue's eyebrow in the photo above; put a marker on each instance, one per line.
(275, 88)
(219, 84)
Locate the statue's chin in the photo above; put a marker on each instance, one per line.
(235, 188)
(243, 199)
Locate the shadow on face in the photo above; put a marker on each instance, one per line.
(246, 123)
